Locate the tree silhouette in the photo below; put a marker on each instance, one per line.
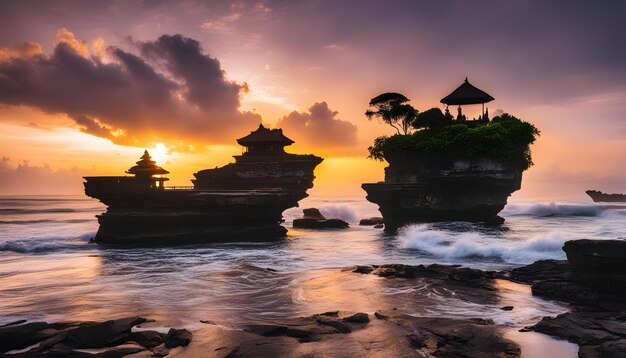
(433, 118)
(392, 108)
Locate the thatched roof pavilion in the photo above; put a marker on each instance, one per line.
(466, 94)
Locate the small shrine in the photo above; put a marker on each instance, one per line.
(467, 94)
(147, 169)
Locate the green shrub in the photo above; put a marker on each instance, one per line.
(505, 138)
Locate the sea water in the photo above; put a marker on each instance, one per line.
(49, 269)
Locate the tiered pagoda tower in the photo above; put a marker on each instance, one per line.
(264, 164)
(147, 170)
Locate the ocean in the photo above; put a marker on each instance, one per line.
(49, 269)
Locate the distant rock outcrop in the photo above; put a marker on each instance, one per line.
(313, 219)
(373, 221)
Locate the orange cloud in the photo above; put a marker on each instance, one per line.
(171, 91)
(319, 128)
(27, 49)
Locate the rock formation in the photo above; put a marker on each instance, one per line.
(313, 219)
(402, 335)
(593, 281)
(114, 337)
(599, 264)
(242, 201)
(417, 189)
(373, 221)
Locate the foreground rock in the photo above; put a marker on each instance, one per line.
(387, 333)
(553, 279)
(598, 333)
(313, 219)
(313, 328)
(446, 337)
(67, 339)
(593, 275)
(600, 264)
(593, 281)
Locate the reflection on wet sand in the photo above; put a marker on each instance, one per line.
(231, 296)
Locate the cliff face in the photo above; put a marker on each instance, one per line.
(166, 216)
(290, 172)
(421, 189)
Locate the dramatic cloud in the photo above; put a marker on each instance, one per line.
(33, 179)
(170, 91)
(319, 128)
(26, 49)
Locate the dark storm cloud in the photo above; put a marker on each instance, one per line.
(319, 128)
(173, 92)
(184, 59)
(542, 51)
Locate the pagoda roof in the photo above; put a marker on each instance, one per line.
(265, 135)
(146, 167)
(467, 94)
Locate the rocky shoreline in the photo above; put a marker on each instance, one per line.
(591, 283)
(111, 339)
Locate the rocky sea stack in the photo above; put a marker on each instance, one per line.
(418, 189)
(241, 201)
(443, 168)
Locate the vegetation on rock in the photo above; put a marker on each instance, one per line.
(436, 135)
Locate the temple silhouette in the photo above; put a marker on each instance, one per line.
(240, 201)
(445, 186)
(467, 94)
(263, 164)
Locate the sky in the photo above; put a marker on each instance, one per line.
(86, 86)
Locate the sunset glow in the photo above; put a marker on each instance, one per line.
(315, 86)
(312, 178)
(160, 153)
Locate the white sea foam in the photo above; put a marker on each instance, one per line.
(343, 212)
(614, 213)
(448, 245)
(45, 244)
(552, 209)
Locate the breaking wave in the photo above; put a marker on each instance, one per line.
(35, 211)
(342, 212)
(41, 221)
(45, 245)
(552, 209)
(447, 245)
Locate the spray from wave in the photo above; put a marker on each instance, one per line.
(552, 209)
(447, 245)
(342, 212)
(46, 245)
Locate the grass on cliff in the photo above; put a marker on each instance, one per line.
(505, 138)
